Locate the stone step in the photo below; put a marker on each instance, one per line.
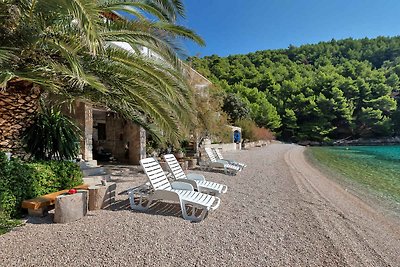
(87, 164)
(96, 180)
(94, 171)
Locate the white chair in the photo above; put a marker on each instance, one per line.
(215, 163)
(198, 181)
(177, 191)
(220, 157)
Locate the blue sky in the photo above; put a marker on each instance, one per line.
(243, 26)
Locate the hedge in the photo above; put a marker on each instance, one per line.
(24, 180)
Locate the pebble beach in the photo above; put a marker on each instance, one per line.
(278, 211)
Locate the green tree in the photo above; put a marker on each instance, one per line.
(235, 107)
(373, 122)
(329, 90)
(265, 114)
(289, 120)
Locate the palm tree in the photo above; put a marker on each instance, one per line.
(65, 47)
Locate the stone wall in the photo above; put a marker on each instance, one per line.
(137, 145)
(226, 146)
(117, 140)
(82, 114)
(256, 144)
(125, 140)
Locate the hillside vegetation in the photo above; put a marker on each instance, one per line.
(330, 90)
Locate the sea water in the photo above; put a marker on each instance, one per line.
(387, 157)
(375, 167)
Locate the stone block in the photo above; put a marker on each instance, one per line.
(69, 208)
(41, 212)
(184, 164)
(192, 163)
(102, 196)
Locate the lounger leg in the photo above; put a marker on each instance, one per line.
(203, 166)
(224, 189)
(139, 206)
(192, 217)
(193, 211)
(229, 172)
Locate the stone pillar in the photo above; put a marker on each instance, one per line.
(136, 137)
(84, 117)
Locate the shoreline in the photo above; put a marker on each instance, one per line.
(390, 141)
(388, 205)
(357, 219)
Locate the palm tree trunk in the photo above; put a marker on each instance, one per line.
(19, 103)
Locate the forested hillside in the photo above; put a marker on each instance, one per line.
(331, 90)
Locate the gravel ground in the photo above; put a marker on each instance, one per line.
(279, 211)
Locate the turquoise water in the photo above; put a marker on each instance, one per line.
(377, 168)
(387, 155)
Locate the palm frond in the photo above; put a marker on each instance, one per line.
(64, 47)
(137, 9)
(180, 31)
(5, 77)
(140, 35)
(157, 93)
(85, 14)
(171, 9)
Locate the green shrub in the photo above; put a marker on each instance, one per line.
(52, 136)
(15, 185)
(6, 224)
(20, 181)
(68, 173)
(251, 132)
(43, 178)
(8, 203)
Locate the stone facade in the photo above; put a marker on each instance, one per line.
(84, 118)
(125, 140)
(137, 145)
(82, 115)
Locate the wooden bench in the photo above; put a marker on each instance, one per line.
(39, 206)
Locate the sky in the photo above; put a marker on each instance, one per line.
(232, 27)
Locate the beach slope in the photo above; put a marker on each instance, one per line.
(279, 211)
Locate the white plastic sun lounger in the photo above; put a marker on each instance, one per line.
(177, 192)
(198, 181)
(220, 157)
(215, 163)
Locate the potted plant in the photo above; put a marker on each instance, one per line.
(180, 153)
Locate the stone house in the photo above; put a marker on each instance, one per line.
(126, 141)
(100, 127)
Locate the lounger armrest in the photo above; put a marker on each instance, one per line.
(182, 186)
(216, 204)
(195, 176)
(188, 181)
